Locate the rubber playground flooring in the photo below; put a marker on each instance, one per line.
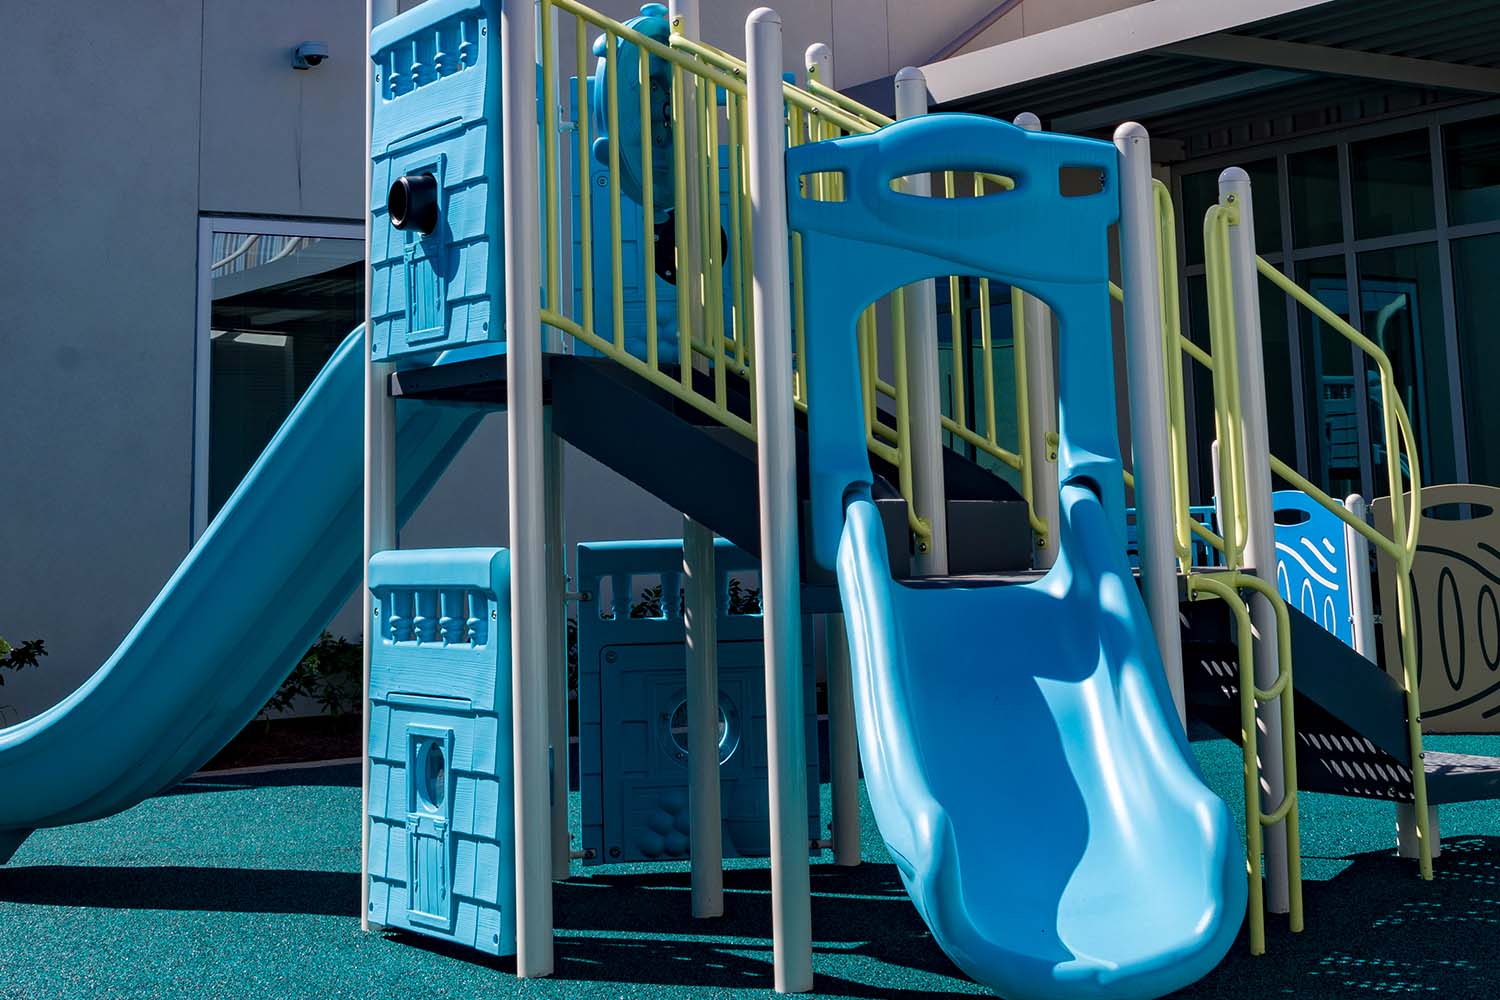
(247, 886)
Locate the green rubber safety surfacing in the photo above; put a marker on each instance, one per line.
(248, 886)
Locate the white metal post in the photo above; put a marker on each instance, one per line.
(1041, 402)
(1260, 529)
(557, 647)
(923, 386)
(690, 291)
(818, 60)
(776, 450)
(1147, 376)
(1361, 605)
(843, 743)
(530, 617)
(700, 619)
(380, 470)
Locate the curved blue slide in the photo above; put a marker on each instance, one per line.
(1028, 774)
(252, 595)
(1021, 751)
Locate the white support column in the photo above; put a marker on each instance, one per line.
(843, 744)
(380, 471)
(1361, 604)
(923, 386)
(690, 258)
(1147, 367)
(1041, 403)
(818, 60)
(791, 893)
(701, 631)
(557, 648)
(530, 614)
(843, 740)
(1260, 529)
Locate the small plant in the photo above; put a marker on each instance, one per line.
(28, 654)
(743, 600)
(331, 673)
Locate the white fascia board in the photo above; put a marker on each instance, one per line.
(1117, 34)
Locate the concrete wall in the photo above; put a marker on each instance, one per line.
(125, 123)
(101, 131)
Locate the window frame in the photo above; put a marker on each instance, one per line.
(1286, 255)
(202, 352)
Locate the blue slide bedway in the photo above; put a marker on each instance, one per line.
(267, 576)
(1021, 752)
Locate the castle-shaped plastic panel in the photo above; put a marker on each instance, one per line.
(442, 860)
(632, 693)
(436, 74)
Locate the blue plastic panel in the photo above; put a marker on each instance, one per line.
(631, 695)
(437, 75)
(1312, 561)
(1085, 858)
(1203, 553)
(442, 859)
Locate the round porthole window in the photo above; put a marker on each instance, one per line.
(432, 783)
(729, 735)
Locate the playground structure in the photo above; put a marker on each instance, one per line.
(776, 360)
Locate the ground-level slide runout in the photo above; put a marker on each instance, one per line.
(1090, 859)
(267, 576)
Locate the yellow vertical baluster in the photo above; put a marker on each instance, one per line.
(713, 247)
(612, 118)
(680, 214)
(956, 330)
(549, 159)
(736, 253)
(648, 208)
(585, 187)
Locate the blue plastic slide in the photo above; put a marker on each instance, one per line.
(1021, 752)
(267, 576)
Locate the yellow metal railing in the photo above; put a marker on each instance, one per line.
(710, 195)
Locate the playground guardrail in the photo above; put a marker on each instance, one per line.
(709, 195)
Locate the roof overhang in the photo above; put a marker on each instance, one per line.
(1186, 67)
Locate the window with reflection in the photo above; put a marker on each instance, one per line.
(1471, 156)
(1476, 280)
(280, 306)
(1313, 190)
(1401, 310)
(1391, 184)
(1332, 418)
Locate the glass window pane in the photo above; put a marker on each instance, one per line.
(1200, 190)
(280, 306)
(1476, 279)
(1313, 187)
(1328, 381)
(1471, 155)
(1276, 352)
(1401, 310)
(1391, 179)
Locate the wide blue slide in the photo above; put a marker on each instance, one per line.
(1021, 751)
(251, 596)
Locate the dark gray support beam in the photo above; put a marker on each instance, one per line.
(1333, 61)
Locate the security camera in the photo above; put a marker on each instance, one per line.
(309, 54)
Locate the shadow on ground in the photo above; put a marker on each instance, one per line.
(1376, 929)
(229, 890)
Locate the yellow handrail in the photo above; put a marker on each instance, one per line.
(1226, 587)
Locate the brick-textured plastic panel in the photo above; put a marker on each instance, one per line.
(441, 816)
(436, 72)
(632, 680)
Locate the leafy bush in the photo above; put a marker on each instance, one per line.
(14, 658)
(331, 674)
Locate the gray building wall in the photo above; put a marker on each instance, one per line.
(128, 122)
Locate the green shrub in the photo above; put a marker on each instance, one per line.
(331, 674)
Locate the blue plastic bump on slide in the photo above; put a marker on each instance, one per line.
(1021, 752)
(267, 576)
